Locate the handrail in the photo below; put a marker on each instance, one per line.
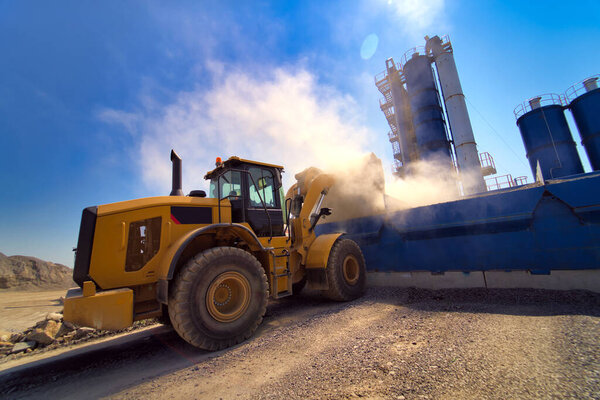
(287, 222)
(579, 88)
(546, 99)
(415, 50)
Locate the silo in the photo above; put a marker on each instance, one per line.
(430, 132)
(586, 112)
(467, 157)
(547, 137)
(403, 115)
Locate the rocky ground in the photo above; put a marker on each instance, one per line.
(391, 344)
(52, 333)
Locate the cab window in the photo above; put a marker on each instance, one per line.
(231, 185)
(262, 185)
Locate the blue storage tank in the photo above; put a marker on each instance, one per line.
(547, 137)
(429, 128)
(586, 112)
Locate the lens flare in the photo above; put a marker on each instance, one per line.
(369, 46)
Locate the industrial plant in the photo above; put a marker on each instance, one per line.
(500, 232)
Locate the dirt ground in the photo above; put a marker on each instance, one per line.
(21, 309)
(391, 344)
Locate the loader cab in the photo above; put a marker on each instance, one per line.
(255, 192)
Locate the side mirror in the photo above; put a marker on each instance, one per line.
(322, 212)
(325, 211)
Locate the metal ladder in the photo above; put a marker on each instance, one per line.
(277, 273)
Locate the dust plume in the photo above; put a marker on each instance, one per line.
(361, 188)
(432, 181)
(279, 116)
(358, 190)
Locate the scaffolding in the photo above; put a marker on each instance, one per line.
(386, 105)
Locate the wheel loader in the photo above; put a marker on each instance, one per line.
(209, 264)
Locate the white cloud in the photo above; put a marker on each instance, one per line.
(281, 116)
(417, 15)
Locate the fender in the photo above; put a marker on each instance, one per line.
(240, 230)
(319, 250)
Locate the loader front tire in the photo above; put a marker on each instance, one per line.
(219, 298)
(346, 272)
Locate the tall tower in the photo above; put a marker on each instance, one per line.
(467, 158)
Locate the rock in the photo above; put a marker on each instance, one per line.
(45, 332)
(5, 335)
(54, 317)
(82, 332)
(5, 348)
(16, 337)
(21, 272)
(70, 325)
(64, 329)
(22, 346)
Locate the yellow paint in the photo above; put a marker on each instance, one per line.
(318, 253)
(107, 264)
(114, 309)
(111, 309)
(89, 289)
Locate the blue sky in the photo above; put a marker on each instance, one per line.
(94, 94)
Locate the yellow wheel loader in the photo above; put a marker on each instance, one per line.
(209, 264)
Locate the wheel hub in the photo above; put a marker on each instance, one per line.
(351, 270)
(228, 296)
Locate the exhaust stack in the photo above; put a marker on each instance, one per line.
(176, 187)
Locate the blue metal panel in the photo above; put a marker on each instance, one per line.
(548, 140)
(535, 228)
(428, 122)
(586, 112)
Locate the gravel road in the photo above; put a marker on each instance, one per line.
(391, 344)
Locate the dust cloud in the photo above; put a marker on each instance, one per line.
(361, 188)
(281, 116)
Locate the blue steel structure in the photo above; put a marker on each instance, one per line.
(536, 228)
(585, 109)
(548, 140)
(428, 121)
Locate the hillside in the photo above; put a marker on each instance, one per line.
(27, 273)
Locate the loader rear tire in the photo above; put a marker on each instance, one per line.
(346, 272)
(219, 298)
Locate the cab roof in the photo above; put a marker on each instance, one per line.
(235, 161)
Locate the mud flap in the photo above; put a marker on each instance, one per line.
(317, 279)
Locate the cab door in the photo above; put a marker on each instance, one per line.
(264, 204)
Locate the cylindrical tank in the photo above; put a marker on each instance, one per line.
(586, 113)
(402, 114)
(467, 157)
(430, 132)
(547, 138)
